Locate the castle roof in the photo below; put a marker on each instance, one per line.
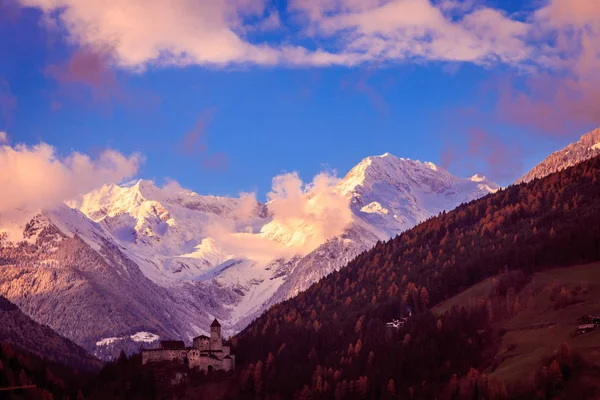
(172, 345)
(202, 337)
(215, 323)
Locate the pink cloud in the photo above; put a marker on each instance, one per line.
(363, 86)
(485, 153)
(8, 102)
(39, 178)
(217, 161)
(565, 97)
(89, 78)
(9, 10)
(551, 105)
(194, 144)
(87, 73)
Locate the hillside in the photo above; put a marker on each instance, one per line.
(548, 305)
(27, 335)
(546, 223)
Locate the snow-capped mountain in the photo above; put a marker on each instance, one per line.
(74, 277)
(587, 147)
(388, 195)
(137, 260)
(394, 194)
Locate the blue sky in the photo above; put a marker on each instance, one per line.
(289, 113)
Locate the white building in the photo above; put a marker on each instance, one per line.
(206, 353)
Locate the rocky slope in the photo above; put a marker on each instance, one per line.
(587, 147)
(70, 275)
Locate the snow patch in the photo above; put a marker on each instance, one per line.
(107, 341)
(145, 337)
(432, 166)
(375, 208)
(596, 146)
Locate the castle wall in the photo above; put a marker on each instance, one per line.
(206, 352)
(226, 350)
(201, 343)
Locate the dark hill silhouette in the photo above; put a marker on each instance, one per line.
(25, 334)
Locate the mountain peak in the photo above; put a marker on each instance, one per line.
(391, 169)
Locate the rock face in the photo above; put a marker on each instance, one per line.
(123, 266)
(587, 147)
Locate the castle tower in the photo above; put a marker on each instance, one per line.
(215, 336)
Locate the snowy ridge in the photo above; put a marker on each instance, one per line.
(587, 147)
(394, 194)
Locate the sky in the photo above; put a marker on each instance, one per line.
(224, 95)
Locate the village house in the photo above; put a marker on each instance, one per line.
(398, 323)
(206, 353)
(587, 323)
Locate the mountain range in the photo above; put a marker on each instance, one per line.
(125, 265)
(122, 266)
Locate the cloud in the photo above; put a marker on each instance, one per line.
(9, 10)
(218, 161)
(403, 30)
(86, 74)
(566, 97)
(484, 152)
(40, 179)
(3, 137)
(313, 212)
(343, 32)
(560, 96)
(8, 102)
(363, 86)
(303, 216)
(177, 32)
(215, 33)
(194, 144)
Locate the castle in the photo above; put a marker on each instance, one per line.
(206, 353)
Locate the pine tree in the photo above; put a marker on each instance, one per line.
(391, 388)
(258, 379)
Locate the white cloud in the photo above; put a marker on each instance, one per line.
(308, 214)
(345, 32)
(303, 217)
(39, 179)
(3, 137)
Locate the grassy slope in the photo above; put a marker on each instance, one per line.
(537, 331)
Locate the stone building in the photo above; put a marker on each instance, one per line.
(206, 353)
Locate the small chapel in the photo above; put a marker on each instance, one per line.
(206, 353)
